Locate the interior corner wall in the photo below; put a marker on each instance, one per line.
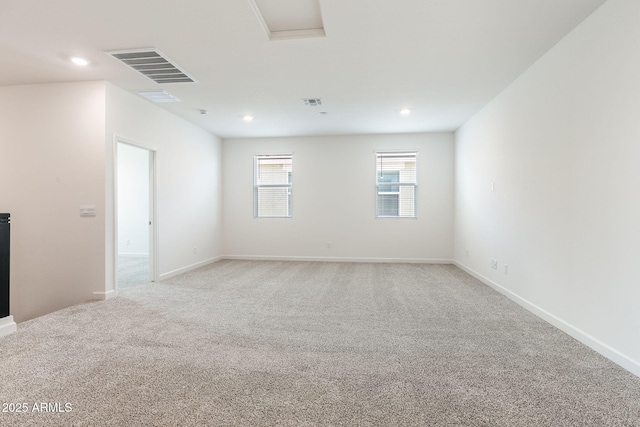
(561, 149)
(189, 188)
(51, 163)
(334, 198)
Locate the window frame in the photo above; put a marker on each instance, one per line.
(395, 187)
(257, 186)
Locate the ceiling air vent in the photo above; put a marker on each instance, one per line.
(158, 96)
(153, 64)
(312, 102)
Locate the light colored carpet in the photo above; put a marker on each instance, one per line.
(132, 270)
(247, 343)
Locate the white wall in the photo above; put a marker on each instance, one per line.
(562, 145)
(57, 154)
(133, 200)
(334, 200)
(188, 181)
(51, 162)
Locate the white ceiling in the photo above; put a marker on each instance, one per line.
(444, 59)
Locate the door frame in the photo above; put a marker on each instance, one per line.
(153, 205)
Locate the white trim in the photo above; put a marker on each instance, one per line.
(260, 17)
(284, 34)
(339, 259)
(154, 250)
(610, 353)
(102, 296)
(183, 270)
(7, 326)
(297, 34)
(133, 255)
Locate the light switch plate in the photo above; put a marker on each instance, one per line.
(87, 210)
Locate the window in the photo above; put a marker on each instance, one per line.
(396, 183)
(272, 186)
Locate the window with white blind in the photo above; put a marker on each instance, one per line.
(396, 184)
(272, 186)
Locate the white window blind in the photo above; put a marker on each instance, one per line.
(396, 184)
(272, 186)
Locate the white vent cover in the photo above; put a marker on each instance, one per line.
(158, 96)
(153, 65)
(312, 102)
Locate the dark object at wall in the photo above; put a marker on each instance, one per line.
(5, 226)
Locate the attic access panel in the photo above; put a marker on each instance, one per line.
(289, 19)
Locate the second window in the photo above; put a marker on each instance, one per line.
(396, 184)
(272, 186)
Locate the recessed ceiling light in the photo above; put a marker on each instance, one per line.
(247, 118)
(405, 111)
(81, 62)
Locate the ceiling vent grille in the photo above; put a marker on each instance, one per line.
(312, 102)
(158, 96)
(153, 65)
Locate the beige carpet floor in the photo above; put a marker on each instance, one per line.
(247, 343)
(132, 270)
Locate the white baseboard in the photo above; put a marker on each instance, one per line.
(133, 254)
(339, 259)
(104, 295)
(183, 270)
(610, 353)
(7, 326)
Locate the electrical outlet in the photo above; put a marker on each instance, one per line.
(494, 264)
(328, 245)
(195, 250)
(506, 269)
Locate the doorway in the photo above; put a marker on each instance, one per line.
(135, 189)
